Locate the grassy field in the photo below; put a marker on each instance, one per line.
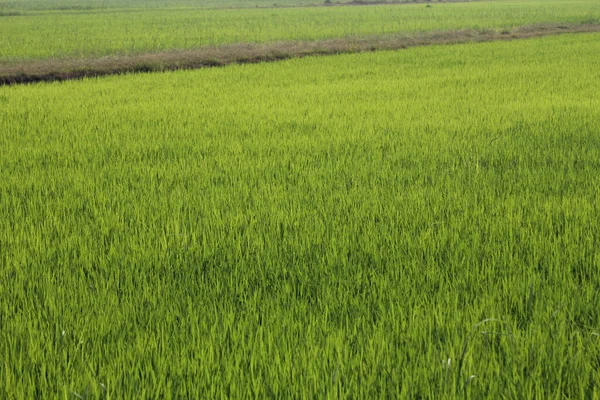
(132, 31)
(415, 224)
(21, 7)
(34, 6)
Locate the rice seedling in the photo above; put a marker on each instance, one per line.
(320, 227)
(118, 32)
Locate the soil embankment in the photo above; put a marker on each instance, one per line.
(66, 69)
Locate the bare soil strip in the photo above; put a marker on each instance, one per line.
(66, 69)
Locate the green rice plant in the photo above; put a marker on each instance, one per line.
(33, 6)
(326, 227)
(99, 33)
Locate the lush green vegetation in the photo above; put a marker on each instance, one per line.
(32, 6)
(323, 227)
(99, 33)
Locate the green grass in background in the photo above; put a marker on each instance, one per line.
(99, 33)
(325, 227)
(34, 6)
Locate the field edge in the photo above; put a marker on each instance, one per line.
(244, 53)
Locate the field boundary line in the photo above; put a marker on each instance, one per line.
(69, 69)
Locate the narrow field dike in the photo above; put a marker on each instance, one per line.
(66, 69)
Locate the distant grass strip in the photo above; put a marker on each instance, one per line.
(31, 7)
(95, 34)
(67, 69)
(12, 9)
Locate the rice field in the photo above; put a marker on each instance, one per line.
(22, 7)
(103, 32)
(413, 224)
